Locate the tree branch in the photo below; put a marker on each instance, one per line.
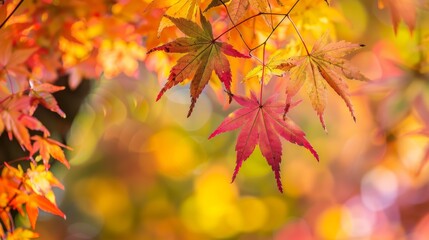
(10, 15)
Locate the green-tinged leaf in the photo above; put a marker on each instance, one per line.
(275, 66)
(215, 3)
(203, 56)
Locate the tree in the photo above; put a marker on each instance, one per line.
(289, 44)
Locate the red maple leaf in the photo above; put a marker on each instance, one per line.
(262, 124)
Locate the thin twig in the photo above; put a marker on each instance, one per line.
(293, 6)
(10, 15)
(299, 34)
(236, 25)
(285, 15)
(256, 15)
(15, 161)
(271, 33)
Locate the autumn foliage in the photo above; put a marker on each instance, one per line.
(247, 46)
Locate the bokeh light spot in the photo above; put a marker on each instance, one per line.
(360, 220)
(329, 223)
(254, 213)
(379, 189)
(213, 208)
(107, 200)
(175, 153)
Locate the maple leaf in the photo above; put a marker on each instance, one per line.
(215, 3)
(324, 64)
(34, 202)
(262, 124)
(31, 199)
(261, 5)
(16, 121)
(401, 10)
(48, 147)
(275, 64)
(237, 9)
(203, 56)
(7, 192)
(41, 93)
(12, 60)
(40, 181)
(21, 234)
(186, 9)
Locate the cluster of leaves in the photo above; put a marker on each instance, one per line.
(20, 96)
(32, 189)
(42, 40)
(261, 121)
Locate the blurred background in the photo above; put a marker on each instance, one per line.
(142, 170)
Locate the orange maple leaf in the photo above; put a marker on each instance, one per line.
(21, 234)
(41, 93)
(16, 121)
(34, 202)
(48, 147)
(12, 60)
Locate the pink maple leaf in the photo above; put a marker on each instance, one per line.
(262, 124)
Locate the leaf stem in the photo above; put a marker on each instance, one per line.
(271, 33)
(10, 15)
(293, 6)
(12, 224)
(15, 160)
(254, 16)
(271, 16)
(263, 73)
(299, 34)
